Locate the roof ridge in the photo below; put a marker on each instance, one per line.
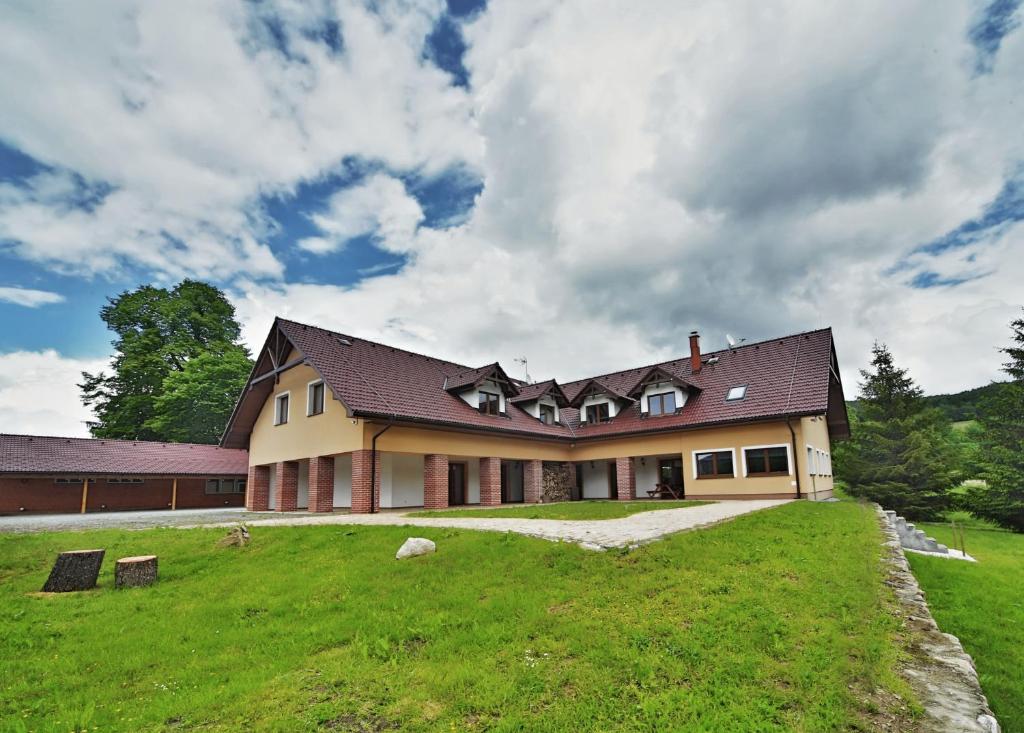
(379, 343)
(115, 440)
(703, 354)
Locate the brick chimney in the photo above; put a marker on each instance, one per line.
(694, 352)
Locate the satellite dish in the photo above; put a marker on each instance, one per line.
(733, 343)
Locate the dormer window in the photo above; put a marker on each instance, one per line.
(662, 404)
(547, 414)
(597, 413)
(315, 399)
(490, 404)
(736, 393)
(281, 409)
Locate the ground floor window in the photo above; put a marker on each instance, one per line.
(772, 460)
(124, 481)
(225, 486)
(67, 481)
(714, 464)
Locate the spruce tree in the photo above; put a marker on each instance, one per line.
(1001, 499)
(900, 454)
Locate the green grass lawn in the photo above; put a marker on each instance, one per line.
(983, 604)
(776, 621)
(564, 510)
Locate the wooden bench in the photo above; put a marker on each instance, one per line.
(664, 491)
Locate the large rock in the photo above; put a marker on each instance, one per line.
(74, 570)
(415, 546)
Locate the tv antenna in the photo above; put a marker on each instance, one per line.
(526, 370)
(733, 343)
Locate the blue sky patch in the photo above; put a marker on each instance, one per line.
(997, 20)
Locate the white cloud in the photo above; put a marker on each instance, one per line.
(660, 167)
(28, 297)
(647, 168)
(379, 205)
(39, 396)
(171, 122)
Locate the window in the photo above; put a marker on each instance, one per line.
(714, 464)
(315, 399)
(662, 404)
(281, 409)
(124, 481)
(225, 486)
(736, 393)
(67, 481)
(490, 404)
(812, 461)
(547, 414)
(767, 461)
(597, 413)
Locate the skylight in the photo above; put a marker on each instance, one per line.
(736, 393)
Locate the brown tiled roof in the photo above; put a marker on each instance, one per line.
(787, 376)
(530, 392)
(90, 456)
(475, 377)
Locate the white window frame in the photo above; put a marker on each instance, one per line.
(277, 411)
(309, 395)
(743, 455)
(813, 464)
(693, 459)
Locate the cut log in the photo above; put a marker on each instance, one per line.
(135, 572)
(74, 570)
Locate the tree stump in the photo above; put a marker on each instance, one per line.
(74, 570)
(135, 572)
(238, 537)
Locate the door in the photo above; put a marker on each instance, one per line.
(613, 481)
(456, 484)
(670, 471)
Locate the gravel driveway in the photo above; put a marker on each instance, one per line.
(593, 534)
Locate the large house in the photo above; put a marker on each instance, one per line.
(52, 474)
(326, 416)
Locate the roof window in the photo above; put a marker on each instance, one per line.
(736, 393)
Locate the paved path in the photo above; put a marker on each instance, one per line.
(598, 533)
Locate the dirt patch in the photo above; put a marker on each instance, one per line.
(938, 669)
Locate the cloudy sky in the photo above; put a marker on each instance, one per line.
(580, 182)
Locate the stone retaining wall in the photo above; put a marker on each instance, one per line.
(940, 671)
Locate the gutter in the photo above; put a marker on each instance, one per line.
(373, 465)
(796, 460)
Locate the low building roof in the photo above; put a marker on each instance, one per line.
(785, 377)
(37, 454)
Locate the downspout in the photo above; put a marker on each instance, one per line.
(373, 465)
(796, 460)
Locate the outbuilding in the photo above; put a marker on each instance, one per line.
(54, 474)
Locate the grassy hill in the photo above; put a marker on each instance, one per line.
(960, 408)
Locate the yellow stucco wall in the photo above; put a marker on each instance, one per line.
(447, 442)
(326, 434)
(814, 432)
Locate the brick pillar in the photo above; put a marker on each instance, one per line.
(257, 489)
(286, 488)
(626, 476)
(321, 484)
(361, 481)
(435, 482)
(533, 481)
(490, 481)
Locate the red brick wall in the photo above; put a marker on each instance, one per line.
(361, 481)
(286, 486)
(43, 495)
(321, 484)
(533, 481)
(626, 477)
(490, 481)
(257, 491)
(435, 482)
